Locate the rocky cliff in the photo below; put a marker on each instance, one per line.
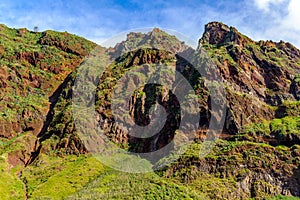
(34, 67)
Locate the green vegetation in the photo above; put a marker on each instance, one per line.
(280, 128)
(11, 187)
(84, 177)
(280, 197)
(285, 126)
(220, 53)
(289, 108)
(118, 185)
(297, 78)
(60, 177)
(219, 175)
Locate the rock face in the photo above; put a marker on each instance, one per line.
(30, 75)
(259, 71)
(138, 54)
(264, 69)
(242, 171)
(22, 156)
(141, 102)
(32, 67)
(256, 75)
(295, 87)
(217, 33)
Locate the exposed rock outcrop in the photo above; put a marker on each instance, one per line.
(253, 80)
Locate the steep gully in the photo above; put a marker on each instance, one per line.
(42, 136)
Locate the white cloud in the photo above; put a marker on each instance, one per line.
(292, 20)
(259, 19)
(265, 4)
(285, 27)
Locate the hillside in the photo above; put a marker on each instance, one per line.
(257, 148)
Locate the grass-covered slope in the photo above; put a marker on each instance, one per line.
(11, 187)
(84, 177)
(233, 170)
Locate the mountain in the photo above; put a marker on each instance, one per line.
(256, 156)
(154, 39)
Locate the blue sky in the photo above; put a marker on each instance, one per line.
(99, 20)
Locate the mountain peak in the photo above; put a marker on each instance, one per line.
(219, 33)
(216, 24)
(155, 39)
(156, 30)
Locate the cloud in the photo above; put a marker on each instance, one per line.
(292, 20)
(81, 18)
(103, 19)
(282, 22)
(265, 4)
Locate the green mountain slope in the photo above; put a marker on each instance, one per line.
(257, 155)
(32, 66)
